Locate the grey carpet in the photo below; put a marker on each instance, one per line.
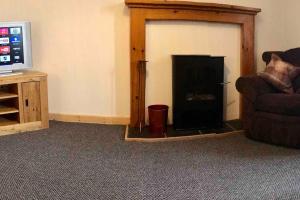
(83, 161)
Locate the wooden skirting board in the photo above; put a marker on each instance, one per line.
(89, 119)
(180, 138)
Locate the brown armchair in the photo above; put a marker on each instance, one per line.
(270, 116)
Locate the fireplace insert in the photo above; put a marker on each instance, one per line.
(198, 82)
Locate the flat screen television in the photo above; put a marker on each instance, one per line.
(15, 46)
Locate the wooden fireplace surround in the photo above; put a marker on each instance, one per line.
(142, 11)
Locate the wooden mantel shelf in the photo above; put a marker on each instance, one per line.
(165, 4)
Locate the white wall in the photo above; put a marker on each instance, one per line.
(292, 25)
(84, 47)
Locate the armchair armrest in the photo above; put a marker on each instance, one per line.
(253, 86)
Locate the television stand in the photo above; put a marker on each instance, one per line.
(23, 102)
(10, 73)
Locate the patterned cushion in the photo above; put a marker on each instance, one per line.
(280, 74)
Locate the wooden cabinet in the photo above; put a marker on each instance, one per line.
(23, 102)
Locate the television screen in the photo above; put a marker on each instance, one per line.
(11, 45)
(15, 46)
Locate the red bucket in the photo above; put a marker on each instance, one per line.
(158, 117)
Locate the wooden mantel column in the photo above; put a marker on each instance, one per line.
(145, 10)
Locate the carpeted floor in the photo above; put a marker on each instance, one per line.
(83, 161)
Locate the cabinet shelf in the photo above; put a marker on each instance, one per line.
(7, 122)
(7, 110)
(7, 95)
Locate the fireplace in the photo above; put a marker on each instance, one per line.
(197, 91)
(142, 11)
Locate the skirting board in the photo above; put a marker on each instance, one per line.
(90, 119)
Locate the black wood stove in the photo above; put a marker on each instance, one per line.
(198, 82)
